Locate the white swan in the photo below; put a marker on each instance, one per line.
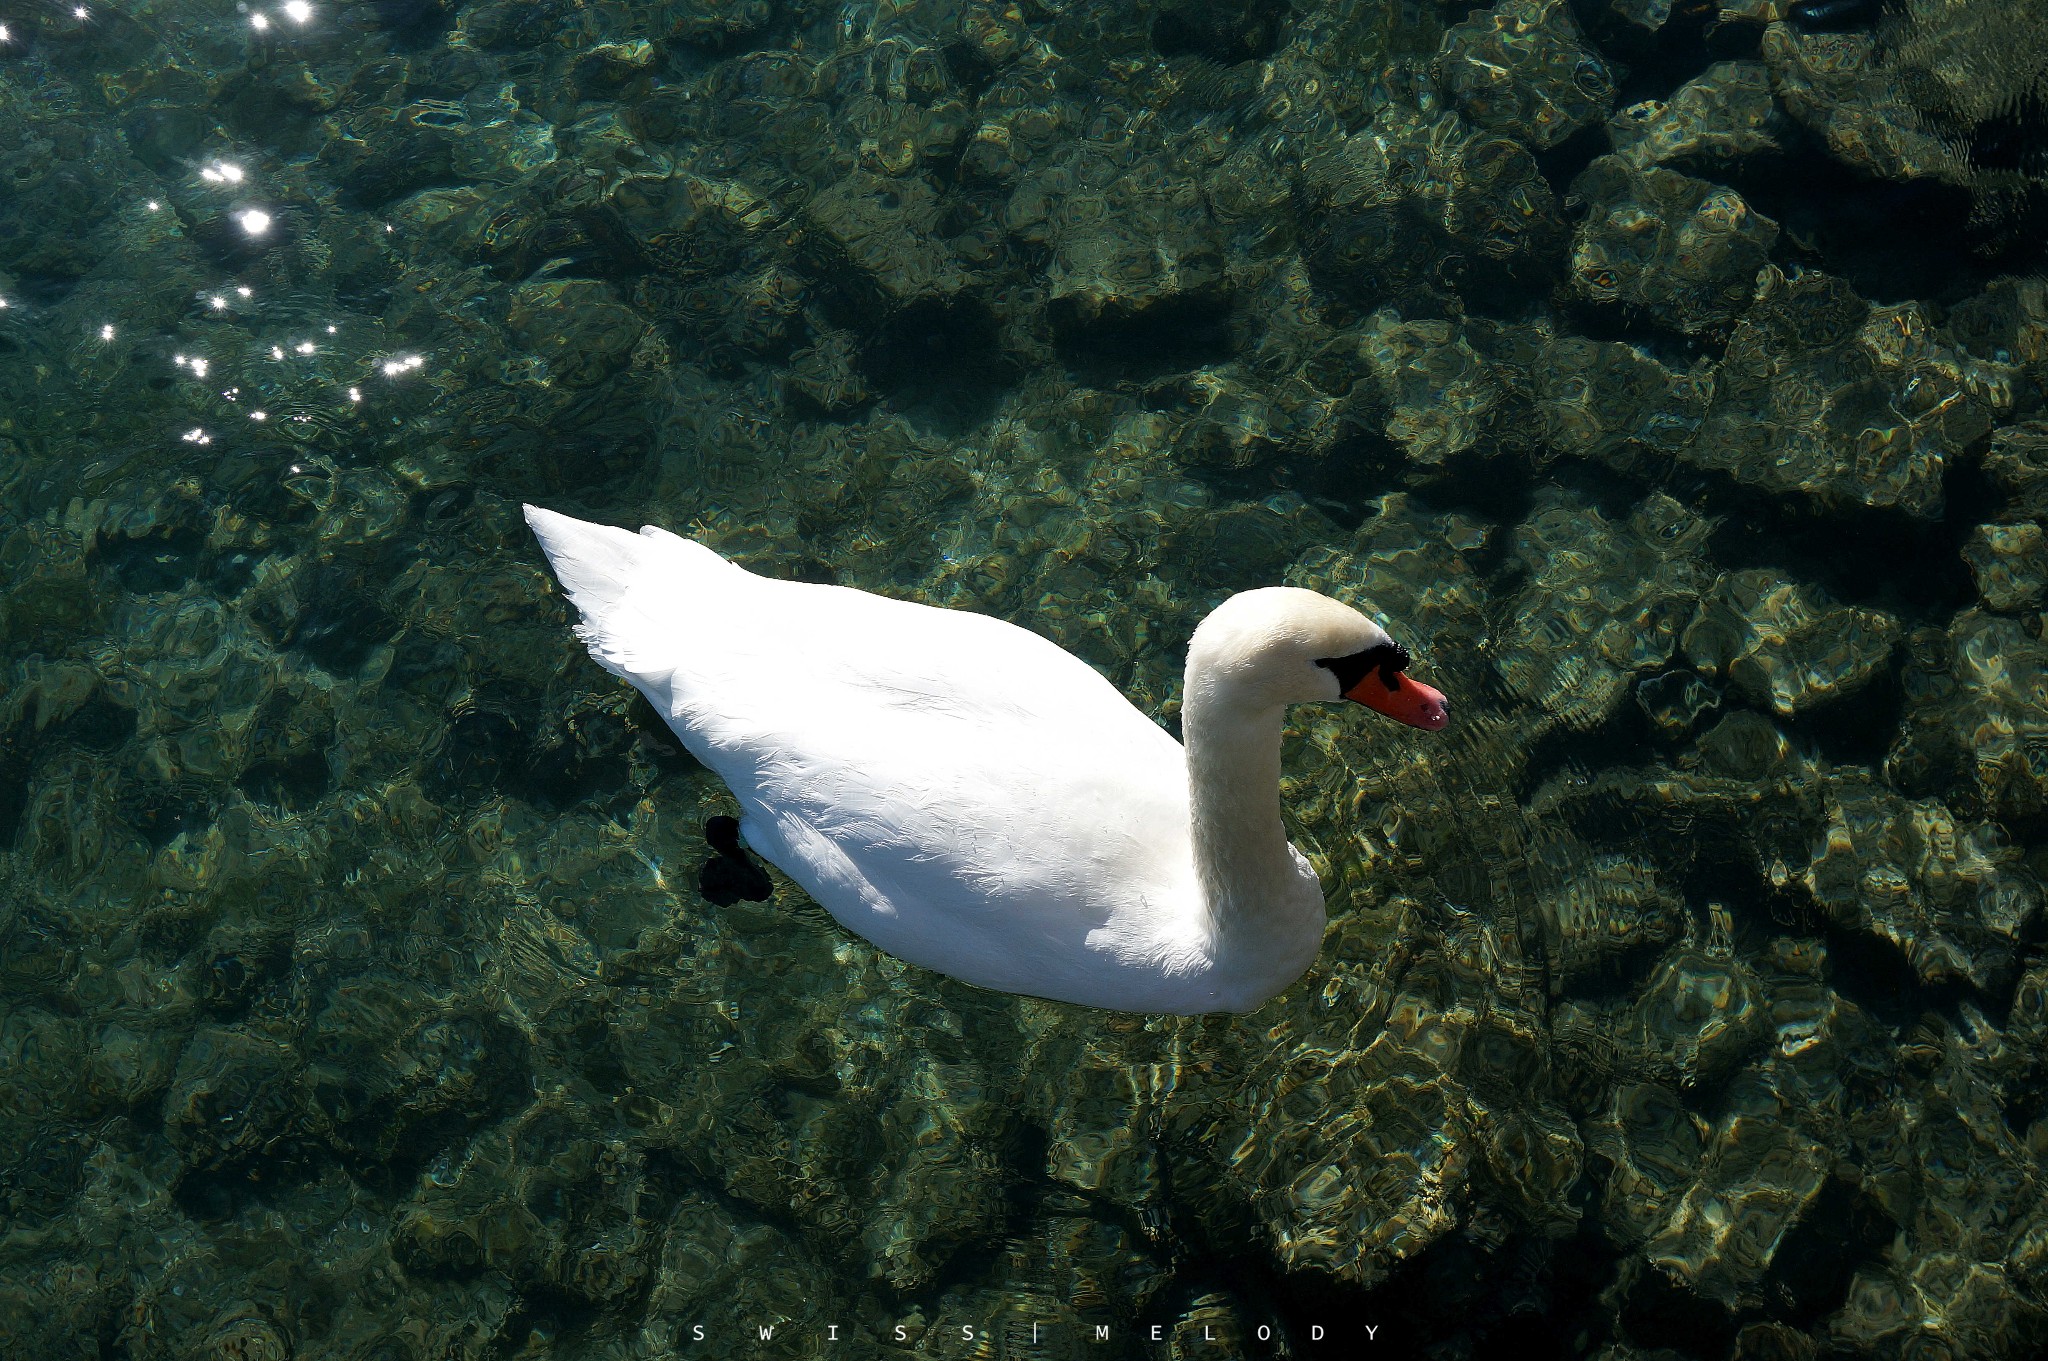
(973, 799)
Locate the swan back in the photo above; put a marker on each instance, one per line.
(960, 791)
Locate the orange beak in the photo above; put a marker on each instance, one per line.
(1408, 701)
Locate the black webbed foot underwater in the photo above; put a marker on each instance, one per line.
(731, 874)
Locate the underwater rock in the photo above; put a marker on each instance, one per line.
(248, 1336)
(1137, 259)
(1786, 645)
(1726, 113)
(1650, 1145)
(62, 175)
(716, 1267)
(1604, 601)
(1676, 701)
(510, 25)
(1439, 392)
(1756, 1181)
(2010, 563)
(576, 327)
(1419, 203)
(766, 312)
(1229, 422)
(1612, 908)
(1648, 15)
(1922, 91)
(46, 595)
(827, 374)
(1098, 1104)
(1412, 568)
(1684, 251)
(878, 239)
(1851, 403)
(689, 226)
(547, 1201)
(1387, 1083)
(1835, 85)
(1523, 68)
(2018, 463)
(2004, 331)
(1977, 713)
(231, 1099)
(715, 22)
(1966, 1196)
(1951, 896)
(396, 1075)
(941, 1192)
(1387, 1108)
(1613, 401)
(1697, 1018)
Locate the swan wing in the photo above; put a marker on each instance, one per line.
(958, 790)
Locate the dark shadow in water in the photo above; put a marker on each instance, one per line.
(15, 769)
(1856, 729)
(340, 622)
(941, 361)
(1654, 65)
(1120, 344)
(160, 810)
(414, 25)
(1656, 1311)
(1362, 464)
(1907, 566)
(162, 560)
(1844, 1230)
(1561, 164)
(1226, 31)
(1876, 233)
(562, 774)
(289, 784)
(98, 726)
(478, 756)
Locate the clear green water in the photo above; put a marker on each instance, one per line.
(1672, 383)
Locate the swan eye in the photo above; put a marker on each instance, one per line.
(1392, 667)
(1389, 659)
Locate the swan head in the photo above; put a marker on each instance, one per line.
(1281, 645)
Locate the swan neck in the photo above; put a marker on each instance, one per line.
(1246, 867)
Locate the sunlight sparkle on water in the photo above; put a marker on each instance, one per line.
(222, 172)
(395, 367)
(298, 11)
(254, 221)
(107, 332)
(259, 22)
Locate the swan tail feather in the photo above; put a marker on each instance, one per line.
(633, 591)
